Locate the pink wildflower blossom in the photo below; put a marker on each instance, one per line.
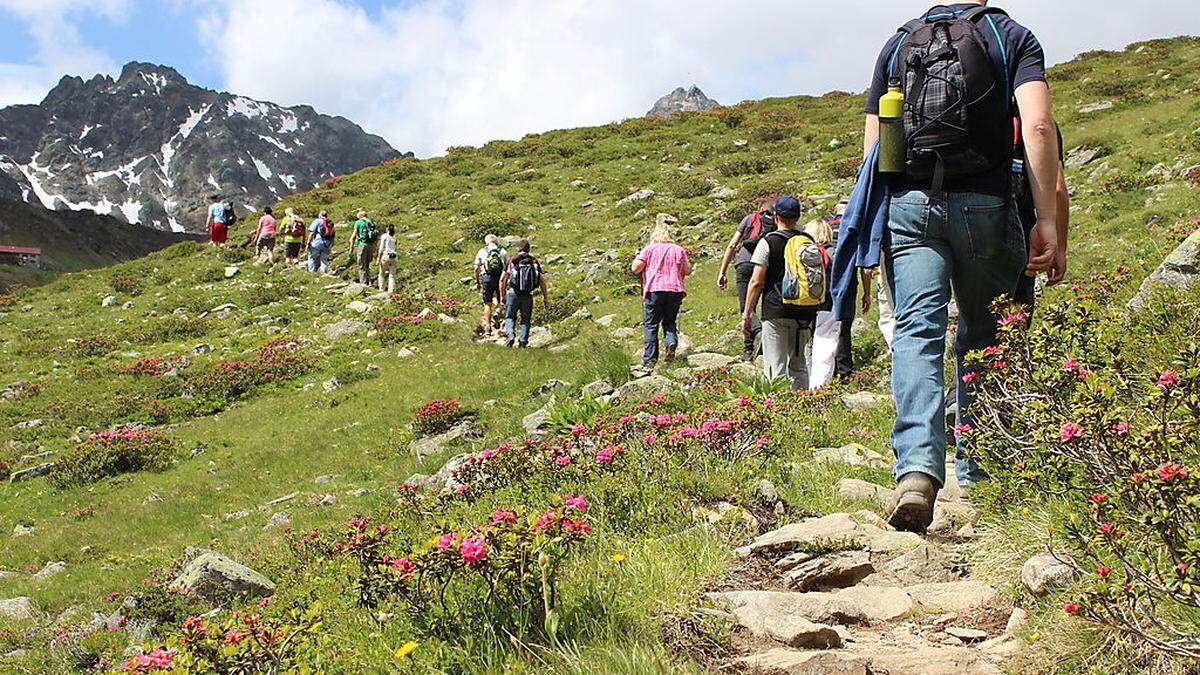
(1169, 379)
(473, 550)
(576, 502)
(1070, 431)
(446, 541)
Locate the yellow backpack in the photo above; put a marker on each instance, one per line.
(806, 273)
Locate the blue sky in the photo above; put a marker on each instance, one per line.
(427, 74)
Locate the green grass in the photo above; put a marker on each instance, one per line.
(634, 616)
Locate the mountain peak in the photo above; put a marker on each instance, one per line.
(151, 72)
(691, 99)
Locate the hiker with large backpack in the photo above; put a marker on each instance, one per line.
(739, 251)
(941, 103)
(322, 234)
(827, 330)
(362, 242)
(293, 236)
(490, 263)
(522, 278)
(791, 276)
(663, 266)
(216, 222)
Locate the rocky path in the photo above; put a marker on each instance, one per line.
(847, 594)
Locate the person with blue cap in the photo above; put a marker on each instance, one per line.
(786, 328)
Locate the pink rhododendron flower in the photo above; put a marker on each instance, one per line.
(1119, 429)
(1070, 431)
(1014, 319)
(963, 428)
(563, 460)
(970, 377)
(463, 489)
(446, 541)
(1070, 365)
(1099, 498)
(1071, 608)
(1169, 379)
(578, 430)
(1107, 528)
(769, 404)
(473, 550)
(1104, 571)
(576, 502)
(604, 456)
(489, 453)
(577, 526)
(546, 520)
(650, 439)
(995, 350)
(504, 516)
(1170, 472)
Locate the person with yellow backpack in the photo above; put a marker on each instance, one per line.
(791, 277)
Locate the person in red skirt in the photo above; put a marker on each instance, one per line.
(217, 222)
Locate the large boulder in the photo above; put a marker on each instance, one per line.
(219, 579)
(1180, 271)
(780, 661)
(710, 361)
(862, 401)
(344, 329)
(837, 530)
(777, 617)
(539, 418)
(540, 336)
(834, 570)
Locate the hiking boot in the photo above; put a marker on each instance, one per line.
(913, 507)
(669, 356)
(748, 355)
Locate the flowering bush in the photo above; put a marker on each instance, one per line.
(398, 329)
(1063, 411)
(153, 366)
(129, 284)
(244, 643)
(7, 300)
(414, 303)
(436, 417)
(278, 360)
(505, 569)
(111, 453)
(96, 344)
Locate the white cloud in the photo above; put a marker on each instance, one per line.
(434, 73)
(59, 48)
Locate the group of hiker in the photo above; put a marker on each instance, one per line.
(961, 200)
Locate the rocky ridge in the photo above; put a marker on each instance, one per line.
(149, 147)
(682, 100)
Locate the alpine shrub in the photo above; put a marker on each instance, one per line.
(112, 453)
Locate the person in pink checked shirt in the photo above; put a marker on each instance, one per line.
(663, 265)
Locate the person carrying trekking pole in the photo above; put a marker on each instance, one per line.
(522, 278)
(663, 266)
(362, 242)
(791, 277)
(490, 262)
(320, 243)
(739, 251)
(952, 81)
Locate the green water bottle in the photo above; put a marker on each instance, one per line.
(891, 129)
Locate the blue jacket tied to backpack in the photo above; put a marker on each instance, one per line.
(863, 235)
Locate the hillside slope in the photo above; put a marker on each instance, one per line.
(149, 147)
(268, 411)
(72, 241)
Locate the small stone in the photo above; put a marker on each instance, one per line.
(232, 271)
(327, 500)
(30, 473)
(343, 329)
(780, 661)
(322, 480)
(432, 445)
(853, 454)
(597, 389)
(640, 195)
(766, 492)
(966, 634)
(834, 570)
(278, 520)
(1044, 572)
(360, 492)
(607, 320)
(50, 570)
(644, 388)
(548, 387)
(538, 418)
(359, 306)
(624, 333)
(710, 361)
(108, 301)
(1096, 107)
(202, 349)
(863, 401)
(331, 385)
(286, 498)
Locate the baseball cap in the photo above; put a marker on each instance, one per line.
(788, 208)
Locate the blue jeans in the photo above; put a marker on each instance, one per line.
(318, 258)
(514, 304)
(973, 244)
(661, 309)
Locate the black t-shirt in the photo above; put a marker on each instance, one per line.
(770, 254)
(1007, 42)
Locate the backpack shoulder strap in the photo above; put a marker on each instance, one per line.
(976, 12)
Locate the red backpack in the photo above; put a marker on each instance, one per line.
(297, 228)
(762, 224)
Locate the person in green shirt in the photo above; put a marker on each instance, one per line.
(293, 236)
(366, 234)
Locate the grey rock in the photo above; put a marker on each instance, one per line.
(624, 333)
(607, 320)
(766, 492)
(643, 389)
(1044, 572)
(1080, 156)
(834, 570)
(218, 579)
(767, 615)
(862, 401)
(360, 492)
(538, 418)
(202, 348)
(953, 597)
(17, 654)
(597, 389)
(29, 424)
(1096, 107)
(286, 498)
(31, 473)
(432, 445)
(853, 454)
(966, 634)
(232, 271)
(359, 306)
(344, 329)
(540, 336)
(327, 500)
(1180, 270)
(5, 575)
(710, 361)
(278, 520)
(322, 480)
(20, 530)
(331, 385)
(682, 100)
(780, 661)
(638, 196)
(17, 609)
(108, 301)
(821, 608)
(927, 563)
(50, 570)
(853, 488)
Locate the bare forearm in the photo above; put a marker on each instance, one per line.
(753, 294)
(870, 134)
